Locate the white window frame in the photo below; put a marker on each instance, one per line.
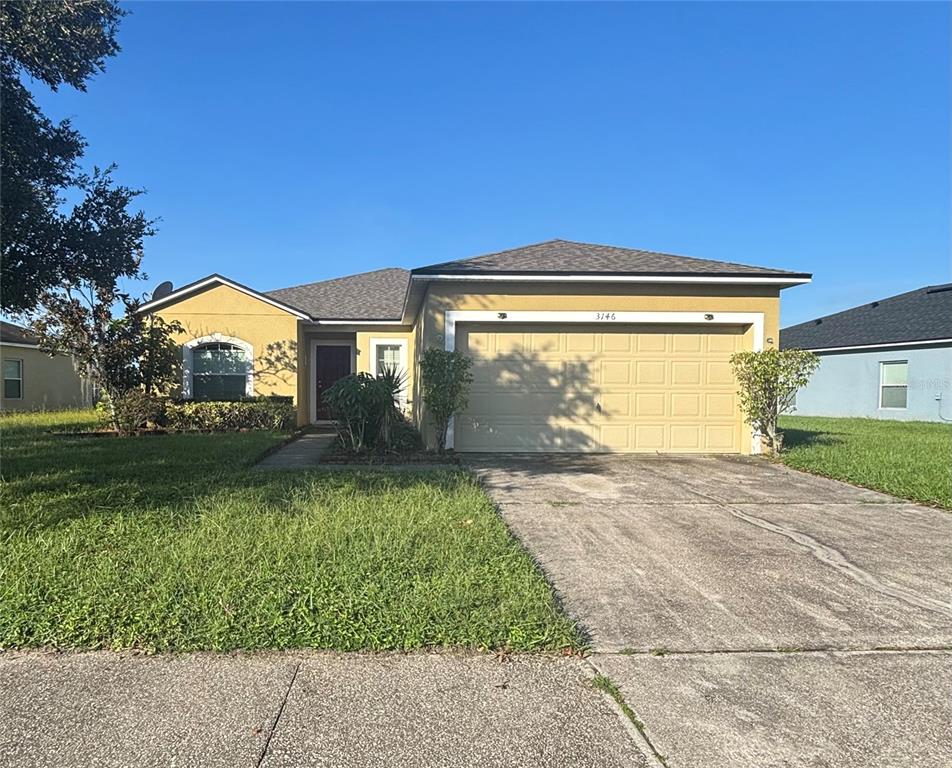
(882, 370)
(20, 378)
(404, 359)
(606, 317)
(188, 361)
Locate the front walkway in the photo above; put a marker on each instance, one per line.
(308, 709)
(302, 453)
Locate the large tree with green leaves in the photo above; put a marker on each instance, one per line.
(47, 251)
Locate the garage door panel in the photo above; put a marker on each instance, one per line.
(685, 372)
(649, 404)
(685, 404)
(650, 372)
(624, 388)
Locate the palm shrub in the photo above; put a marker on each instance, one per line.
(367, 409)
(358, 403)
(391, 381)
(769, 381)
(446, 379)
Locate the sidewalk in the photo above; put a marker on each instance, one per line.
(307, 709)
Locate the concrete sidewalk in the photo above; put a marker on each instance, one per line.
(307, 709)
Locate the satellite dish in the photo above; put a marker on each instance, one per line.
(162, 290)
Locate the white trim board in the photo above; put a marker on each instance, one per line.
(891, 345)
(186, 290)
(607, 318)
(21, 346)
(542, 278)
(378, 341)
(312, 369)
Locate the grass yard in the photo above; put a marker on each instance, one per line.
(170, 543)
(912, 459)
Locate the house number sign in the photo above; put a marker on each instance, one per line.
(604, 315)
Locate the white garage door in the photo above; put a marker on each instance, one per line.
(582, 388)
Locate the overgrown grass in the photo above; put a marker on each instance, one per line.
(171, 543)
(909, 459)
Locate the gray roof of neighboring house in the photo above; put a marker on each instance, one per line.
(377, 295)
(15, 334)
(567, 257)
(919, 315)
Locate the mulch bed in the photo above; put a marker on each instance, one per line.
(337, 454)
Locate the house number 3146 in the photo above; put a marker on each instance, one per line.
(604, 315)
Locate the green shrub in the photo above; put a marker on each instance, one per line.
(357, 402)
(367, 410)
(446, 379)
(271, 414)
(768, 382)
(131, 411)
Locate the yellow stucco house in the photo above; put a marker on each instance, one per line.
(34, 380)
(575, 347)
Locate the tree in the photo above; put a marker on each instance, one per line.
(126, 358)
(62, 42)
(446, 378)
(769, 381)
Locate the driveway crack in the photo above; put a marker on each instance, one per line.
(277, 717)
(836, 559)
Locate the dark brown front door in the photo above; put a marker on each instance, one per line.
(333, 363)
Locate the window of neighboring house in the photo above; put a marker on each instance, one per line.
(13, 379)
(220, 371)
(389, 353)
(893, 387)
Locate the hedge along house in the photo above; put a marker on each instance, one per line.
(889, 359)
(575, 347)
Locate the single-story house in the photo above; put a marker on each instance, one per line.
(889, 359)
(575, 347)
(35, 381)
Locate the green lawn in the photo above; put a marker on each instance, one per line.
(171, 543)
(912, 459)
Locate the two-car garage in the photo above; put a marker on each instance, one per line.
(597, 387)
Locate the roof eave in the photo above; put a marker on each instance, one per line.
(211, 279)
(783, 278)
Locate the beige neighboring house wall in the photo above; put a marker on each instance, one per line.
(48, 383)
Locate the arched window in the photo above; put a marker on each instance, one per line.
(217, 368)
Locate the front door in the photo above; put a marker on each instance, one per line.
(333, 363)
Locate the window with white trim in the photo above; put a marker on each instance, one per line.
(893, 383)
(220, 371)
(389, 354)
(12, 379)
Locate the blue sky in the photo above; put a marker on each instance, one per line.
(287, 142)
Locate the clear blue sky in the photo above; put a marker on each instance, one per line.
(284, 143)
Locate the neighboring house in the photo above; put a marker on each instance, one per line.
(890, 359)
(576, 347)
(34, 381)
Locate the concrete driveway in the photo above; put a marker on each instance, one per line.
(750, 614)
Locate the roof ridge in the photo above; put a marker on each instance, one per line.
(334, 279)
(866, 304)
(499, 253)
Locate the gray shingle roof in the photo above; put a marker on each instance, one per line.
(919, 315)
(376, 295)
(567, 257)
(15, 334)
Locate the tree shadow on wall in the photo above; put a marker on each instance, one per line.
(523, 402)
(277, 364)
